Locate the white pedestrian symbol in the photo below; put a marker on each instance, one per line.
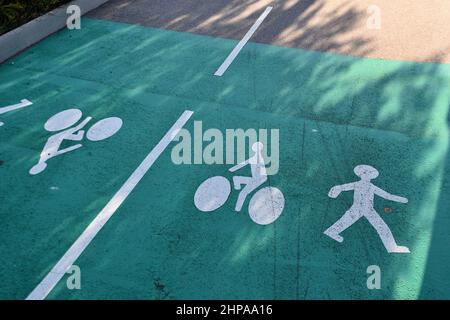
(364, 192)
(63, 120)
(23, 103)
(265, 206)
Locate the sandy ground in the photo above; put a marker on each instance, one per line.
(417, 31)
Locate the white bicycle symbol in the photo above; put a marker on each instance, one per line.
(64, 123)
(265, 206)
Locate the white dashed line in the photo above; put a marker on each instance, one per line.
(229, 60)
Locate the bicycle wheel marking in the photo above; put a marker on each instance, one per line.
(104, 129)
(266, 205)
(212, 194)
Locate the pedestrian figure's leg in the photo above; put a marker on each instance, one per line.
(349, 218)
(385, 233)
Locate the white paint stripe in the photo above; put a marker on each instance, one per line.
(229, 60)
(58, 271)
(23, 103)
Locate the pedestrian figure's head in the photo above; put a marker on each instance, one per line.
(366, 172)
(257, 147)
(63, 120)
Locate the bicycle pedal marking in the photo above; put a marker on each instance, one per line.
(64, 124)
(265, 206)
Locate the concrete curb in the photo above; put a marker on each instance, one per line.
(19, 39)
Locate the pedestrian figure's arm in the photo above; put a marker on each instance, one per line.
(386, 195)
(336, 190)
(238, 166)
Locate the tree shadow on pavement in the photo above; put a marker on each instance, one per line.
(333, 111)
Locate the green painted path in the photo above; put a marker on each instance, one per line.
(333, 112)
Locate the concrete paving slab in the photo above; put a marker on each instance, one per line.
(416, 31)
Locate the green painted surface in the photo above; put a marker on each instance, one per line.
(333, 112)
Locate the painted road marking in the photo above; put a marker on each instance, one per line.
(58, 271)
(363, 207)
(266, 205)
(23, 103)
(229, 60)
(62, 121)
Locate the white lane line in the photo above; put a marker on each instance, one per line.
(23, 103)
(229, 60)
(58, 271)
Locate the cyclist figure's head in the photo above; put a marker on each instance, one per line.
(258, 147)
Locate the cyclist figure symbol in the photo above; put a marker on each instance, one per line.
(63, 122)
(259, 175)
(265, 206)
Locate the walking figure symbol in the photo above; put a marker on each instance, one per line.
(64, 120)
(364, 192)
